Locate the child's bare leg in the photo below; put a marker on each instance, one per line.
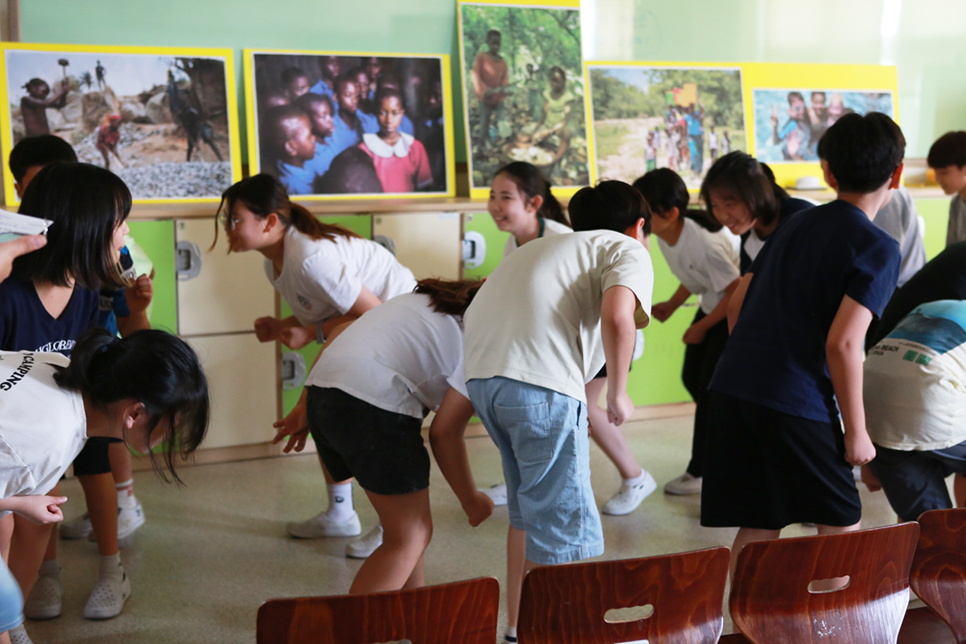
(101, 498)
(743, 538)
(27, 547)
(408, 528)
(516, 567)
(959, 490)
(107, 160)
(609, 437)
(418, 577)
(122, 468)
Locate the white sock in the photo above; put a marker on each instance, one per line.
(511, 631)
(125, 495)
(637, 480)
(111, 566)
(340, 501)
(50, 568)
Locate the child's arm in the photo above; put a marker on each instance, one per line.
(479, 87)
(268, 329)
(737, 299)
(664, 310)
(36, 508)
(449, 450)
(618, 332)
(696, 332)
(138, 298)
(843, 350)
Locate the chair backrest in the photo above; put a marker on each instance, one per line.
(464, 612)
(575, 603)
(773, 597)
(938, 572)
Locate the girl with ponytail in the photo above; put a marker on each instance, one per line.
(367, 397)
(142, 390)
(328, 276)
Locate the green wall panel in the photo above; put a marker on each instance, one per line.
(935, 212)
(156, 239)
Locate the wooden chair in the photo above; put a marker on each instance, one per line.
(771, 600)
(574, 603)
(464, 612)
(938, 572)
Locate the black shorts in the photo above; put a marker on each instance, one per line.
(381, 449)
(915, 481)
(93, 459)
(766, 469)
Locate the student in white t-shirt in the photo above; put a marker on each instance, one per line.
(328, 276)
(703, 255)
(144, 389)
(547, 319)
(522, 204)
(367, 398)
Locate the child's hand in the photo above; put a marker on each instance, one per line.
(695, 334)
(662, 311)
(479, 508)
(870, 479)
(859, 449)
(39, 509)
(774, 115)
(793, 144)
(267, 329)
(619, 407)
(13, 249)
(295, 426)
(140, 294)
(296, 337)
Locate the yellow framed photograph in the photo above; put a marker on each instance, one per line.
(163, 119)
(340, 125)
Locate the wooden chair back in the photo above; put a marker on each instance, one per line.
(938, 572)
(771, 600)
(575, 603)
(464, 612)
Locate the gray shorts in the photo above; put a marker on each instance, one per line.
(915, 481)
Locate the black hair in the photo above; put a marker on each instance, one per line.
(289, 74)
(610, 205)
(351, 171)
(493, 32)
(39, 150)
(664, 189)
(33, 82)
(86, 204)
(739, 174)
(450, 297)
(557, 70)
(818, 92)
(152, 367)
(793, 95)
(949, 149)
(263, 195)
(387, 92)
(273, 131)
(344, 78)
(309, 100)
(531, 182)
(862, 152)
(780, 193)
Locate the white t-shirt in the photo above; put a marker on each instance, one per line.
(712, 140)
(915, 380)
(401, 356)
(900, 219)
(537, 317)
(956, 229)
(550, 227)
(42, 427)
(706, 263)
(322, 278)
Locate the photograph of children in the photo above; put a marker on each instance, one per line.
(648, 117)
(524, 91)
(160, 122)
(333, 124)
(790, 122)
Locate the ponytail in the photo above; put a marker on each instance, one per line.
(152, 367)
(532, 183)
(449, 297)
(263, 195)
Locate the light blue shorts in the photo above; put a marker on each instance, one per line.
(542, 437)
(11, 601)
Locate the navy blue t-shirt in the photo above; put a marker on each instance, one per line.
(25, 325)
(775, 356)
(787, 207)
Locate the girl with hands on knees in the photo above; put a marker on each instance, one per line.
(328, 276)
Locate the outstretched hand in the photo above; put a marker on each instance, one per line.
(268, 329)
(39, 509)
(295, 426)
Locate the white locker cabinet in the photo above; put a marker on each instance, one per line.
(242, 384)
(427, 244)
(218, 292)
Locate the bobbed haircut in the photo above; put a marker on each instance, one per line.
(739, 175)
(610, 205)
(531, 182)
(664, 189)
(264, 195)
(39, 150)
(949, 149)
(450, 297)
(862, 152)
(152, 367)
(85, 203)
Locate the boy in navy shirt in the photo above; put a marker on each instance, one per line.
(776, 451)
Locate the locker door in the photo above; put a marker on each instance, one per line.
(427, 244)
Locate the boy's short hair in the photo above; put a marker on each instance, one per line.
(610, 205)
(494, 32)
(347, 77)
(351, 171)
(862, 152)
(34, 82)
(39, 150)
(289, 74)
(276, 134)
(795, 95)
(309, 100)
(949, 149)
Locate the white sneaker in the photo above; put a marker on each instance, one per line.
(76, 528)
(19, 636)
(683, 485)
(45, 598)
(322, 526)
(128, 521)
(497, 493)
(362, 547)
(108, 597)
(628, 497)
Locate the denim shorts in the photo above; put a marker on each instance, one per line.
(542, 437)
(11, 601)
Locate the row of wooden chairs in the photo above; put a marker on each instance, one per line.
(833, 589)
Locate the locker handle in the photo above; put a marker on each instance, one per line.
(474, 249)
(187, 260)
(293, 370)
